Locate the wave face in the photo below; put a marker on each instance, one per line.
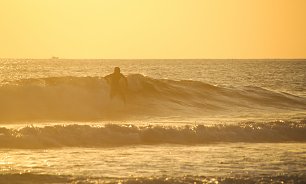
(119, 135)
(87, 98)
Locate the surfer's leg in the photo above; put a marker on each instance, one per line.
(122, 96)
(111, 94)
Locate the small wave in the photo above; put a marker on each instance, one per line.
(87, 98)
(44, 178)
(30, 178)
(119, 135)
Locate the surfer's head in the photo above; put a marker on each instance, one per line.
(117, 70)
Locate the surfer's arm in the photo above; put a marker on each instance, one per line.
(107, 77)
(125, 79)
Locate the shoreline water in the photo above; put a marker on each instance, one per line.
(166, 163)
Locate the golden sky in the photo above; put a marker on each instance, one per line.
(153, 28)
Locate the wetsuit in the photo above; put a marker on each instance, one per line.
(114, 81)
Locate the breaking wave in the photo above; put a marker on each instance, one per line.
(87, 98)
(119, 135)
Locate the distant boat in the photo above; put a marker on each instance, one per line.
(53, 57)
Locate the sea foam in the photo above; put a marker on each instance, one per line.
(120, 135)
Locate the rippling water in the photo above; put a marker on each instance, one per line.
(185, 121)
(231, 163)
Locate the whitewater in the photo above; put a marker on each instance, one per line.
(184, 121)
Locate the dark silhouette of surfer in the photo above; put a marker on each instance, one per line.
(113, 80)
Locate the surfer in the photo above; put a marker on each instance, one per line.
(113, 80)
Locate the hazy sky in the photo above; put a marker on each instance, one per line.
(153, 28)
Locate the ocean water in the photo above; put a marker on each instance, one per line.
(184, 121)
